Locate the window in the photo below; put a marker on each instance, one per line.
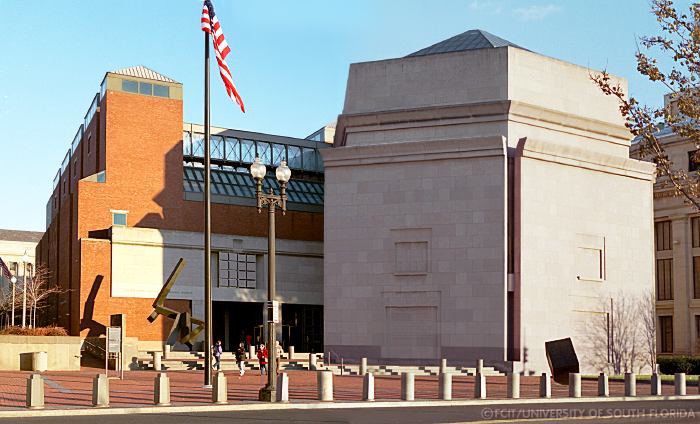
(662, 233)
(237, 270)
(695, 229)
(161, 90)
(145, 88)
(130, 86)
(666, 333)
(696, 277)
(119, 218)
(89, 142)
(664, 279)
(694, 161)
(697, 328)
(412, 257)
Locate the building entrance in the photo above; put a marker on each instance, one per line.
(236, 322)
(302, 327)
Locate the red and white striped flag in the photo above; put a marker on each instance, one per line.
(4, 271)
(210, 24)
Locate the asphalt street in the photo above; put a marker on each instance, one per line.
(683, 411)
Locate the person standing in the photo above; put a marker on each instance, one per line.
(262, 359)
(240, 359)
(217, 350)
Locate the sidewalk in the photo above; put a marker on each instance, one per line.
(74, 389)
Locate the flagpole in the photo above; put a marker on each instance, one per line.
(207, 221)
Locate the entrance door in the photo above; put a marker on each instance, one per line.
(236, 322)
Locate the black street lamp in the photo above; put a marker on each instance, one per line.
(272, 201)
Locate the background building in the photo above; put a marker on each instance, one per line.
(14, 245)
(677, 247)
(127, 204)
(480, 201)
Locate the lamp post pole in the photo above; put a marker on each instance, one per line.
(272, 201)
(25, 259)
(13, 280)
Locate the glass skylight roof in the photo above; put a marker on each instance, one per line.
(241, 184)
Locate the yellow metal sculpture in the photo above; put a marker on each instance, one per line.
(185, 328)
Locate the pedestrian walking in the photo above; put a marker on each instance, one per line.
(216, 351)
(262, 358)
(278, 356)
(240, 359)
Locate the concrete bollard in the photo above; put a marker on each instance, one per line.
(363, 366)
(443, 366)
(630, 384)
(655, 384)
(513, 385)
(282, 388)
(166, 351)
(574, 385)
(603, 386)
(679, 383)
(368, 387)
(407, 386)
(324, 385)
(545, 386)
(479, 366)
(157, 365)
(40, 361)
(445, 381)
(35, 392)
(161, 390)
(290, 351)
(219, 391)
(312, 362)
(480, 386)
(100, 391)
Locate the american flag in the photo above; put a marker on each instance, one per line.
(4, 271)
(210, 24)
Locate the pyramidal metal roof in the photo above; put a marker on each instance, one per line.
(470, 40)
(143, 72)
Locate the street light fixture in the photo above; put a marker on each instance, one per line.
(13, 280)
(272, 201)
(25, 259)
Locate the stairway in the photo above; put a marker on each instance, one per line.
(180, 361)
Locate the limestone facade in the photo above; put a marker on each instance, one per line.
(478, 204)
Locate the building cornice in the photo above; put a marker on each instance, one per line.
(501, 110)
(415, 151)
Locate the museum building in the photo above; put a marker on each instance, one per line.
(480, 201)
(127, 204)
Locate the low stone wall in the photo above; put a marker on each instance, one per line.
(63, 352)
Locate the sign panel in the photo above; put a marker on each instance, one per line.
(274, 308)
(114, 339)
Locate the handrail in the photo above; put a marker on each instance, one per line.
(337, 357)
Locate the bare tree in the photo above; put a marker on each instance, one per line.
(617, 337)
(38, 291)
(679, 46)
(647, 313)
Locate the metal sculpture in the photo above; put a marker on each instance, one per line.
(185, 327)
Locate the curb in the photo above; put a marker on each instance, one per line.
(325, 405)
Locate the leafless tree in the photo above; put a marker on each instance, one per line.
(38, 291)
(617, 336)
(679, 48)
(647, 313)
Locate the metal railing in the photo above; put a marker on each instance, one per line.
(337, 357)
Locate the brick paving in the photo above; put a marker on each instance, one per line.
(74, 389)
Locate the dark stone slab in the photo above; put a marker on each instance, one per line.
(562, 359)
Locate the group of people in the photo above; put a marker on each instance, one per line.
(261, 352)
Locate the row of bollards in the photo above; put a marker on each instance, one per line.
(324, 382)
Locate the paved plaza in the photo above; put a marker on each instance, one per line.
(74, 389)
